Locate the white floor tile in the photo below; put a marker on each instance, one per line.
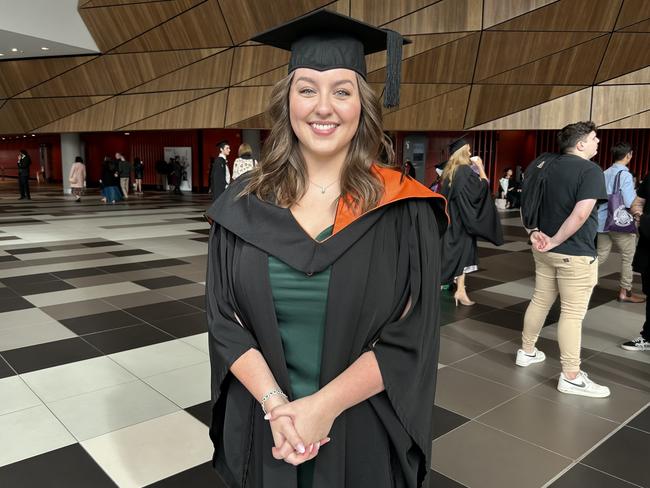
(30, 335)
(21, 318)
(186, 386)
(99, 412)
(30, 432)
(79, 294)
(76, 378)
(148, 452)
(15, 395)
(159, 358)
(200, 341)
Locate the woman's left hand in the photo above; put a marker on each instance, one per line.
(311, 417)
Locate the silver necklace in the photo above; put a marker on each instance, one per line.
(323, 189)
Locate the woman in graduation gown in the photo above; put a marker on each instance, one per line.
(322, 286)
(472, 214)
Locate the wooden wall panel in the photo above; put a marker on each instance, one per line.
(379, 12)
(640, 27)
(245, 17)
(133, 108)
(200, 27)
(498, 11)
(638, 121)
(261, 121)
(419, 44)
(211, 72)
(113, 25)
(490, 102)
(246, 102)
(107, 3)
(451, 63)
(250, 61)
(635, 77)
(632, 12)
(126, 71)
(626, 52)
(568, 15)
(443, 16)
(10, 122)
(502, 51)
(611, 103)
(37, 112)
(576, 66)
(202, 113)
(98, 117)
(550, 115)
(17, 76)
(430, 115)
(267, 79)
(412, 94)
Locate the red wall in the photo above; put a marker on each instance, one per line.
(9, 147)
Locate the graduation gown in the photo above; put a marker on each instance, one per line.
(472, 214)
(218, 177)
(378, 260)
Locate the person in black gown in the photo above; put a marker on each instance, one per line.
(472, 214)
(322, 284)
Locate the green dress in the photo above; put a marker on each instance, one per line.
(300, 307)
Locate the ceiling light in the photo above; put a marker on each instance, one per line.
(127, 133)
(14, 50)
(2, 54)
(45, 48)
(33, 135)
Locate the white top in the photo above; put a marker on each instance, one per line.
(241, 166)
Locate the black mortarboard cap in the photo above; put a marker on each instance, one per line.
(325, 40)
(457, 144)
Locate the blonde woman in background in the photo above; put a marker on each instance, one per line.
(77, 177)
(244, 162)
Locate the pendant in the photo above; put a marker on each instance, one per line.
(322, 190)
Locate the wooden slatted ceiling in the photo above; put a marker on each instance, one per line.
(200, 27)
(378, 12)
(95, 118)
(250, 61)
(568, 15)
(260, 121)
(575, 66)
(113, 25)
(643, 26)
(626, 52)
(497, 55)
(638, 121)
(635, 77)
(443, 16)
(632, 12)
(246, 102)
(115, 73)
(498, 11)
(611, 103)
(269, 78)
(412, 94)
(32, 113)
(108, 3)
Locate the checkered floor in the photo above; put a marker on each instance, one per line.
(104, 375)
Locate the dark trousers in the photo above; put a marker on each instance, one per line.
(645, 282)
(23, 183)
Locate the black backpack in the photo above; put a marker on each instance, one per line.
(532, 190)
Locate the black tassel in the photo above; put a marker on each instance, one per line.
(393, 68)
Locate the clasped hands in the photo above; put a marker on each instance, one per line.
(541, 242)
(299, 428)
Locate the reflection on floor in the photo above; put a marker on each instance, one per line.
(105, 378)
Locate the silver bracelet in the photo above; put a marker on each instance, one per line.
(272, 393)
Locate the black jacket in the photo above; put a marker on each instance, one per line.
(23, 165)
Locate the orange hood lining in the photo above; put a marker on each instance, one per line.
(396, 188)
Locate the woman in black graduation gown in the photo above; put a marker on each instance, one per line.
(472, 214)
(322, 286)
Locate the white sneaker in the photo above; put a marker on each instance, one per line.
(638, 344)
(524, 359)
(581, 385)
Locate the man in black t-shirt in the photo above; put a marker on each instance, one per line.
(566, 260)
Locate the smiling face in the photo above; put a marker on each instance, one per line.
(324, 111)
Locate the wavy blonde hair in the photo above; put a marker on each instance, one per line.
(281, 176)
(459, 158)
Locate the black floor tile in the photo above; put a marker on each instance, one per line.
(78, 273)
(129, 252)
(200, 239)
(162, 282)
(183, 326)
(445, 421)
(600, 296)
(126, 338)
(502, 318)
(6, 292)
(27, 250)
(101, 244)
(43, 287)
(449, 312)
(70, 467)
(437, 480)
(50, 354)
(123, 268)
(160, 311)
(475, 282)
(201, 476)
(205, 232)
(100, 322)
(581, 476)
(5, 370)
(202, 412)
(161, 263)
(624, 455)
(198, 302)
(486, 252)
(642, 421)
(6, 259)
(14, 303)
(32, 278)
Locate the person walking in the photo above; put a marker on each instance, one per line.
(24, 162)
(619, 179)
(322, 285)
(564, 250)
(124, 170)
(77, 177)
(138, 173)
(220, 175)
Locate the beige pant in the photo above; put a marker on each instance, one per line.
(626, 244)
(124, 183)
(574, 277)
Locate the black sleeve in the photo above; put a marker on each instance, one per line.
(644, 188)
(227, 338)
(592, 184)
(478, 212)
